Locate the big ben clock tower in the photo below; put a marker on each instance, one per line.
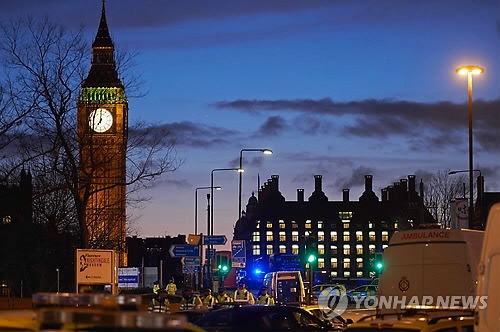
(102, 134)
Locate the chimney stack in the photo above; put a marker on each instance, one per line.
(421, 189)
(317, 183)
(368, 183)
(345, 195)
(300, 195)
(274, 183)
(411, 183)
(384, 195)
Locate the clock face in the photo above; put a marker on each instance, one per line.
(100, 120)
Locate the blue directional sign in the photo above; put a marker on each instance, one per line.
(238, 253)
(215, 239)
(191, 261)
(210, 253)
(181, 250)
(190, 269)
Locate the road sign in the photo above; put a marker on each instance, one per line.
(181, 250)
(128, 277)
(190, 269)
(191, 261)
(238, 253)
(210, 253)
(215, 239)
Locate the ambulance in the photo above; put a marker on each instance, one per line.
(431, 262)
(488, 319)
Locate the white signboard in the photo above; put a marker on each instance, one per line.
(128, 277)
(459, 213)
(94, 266)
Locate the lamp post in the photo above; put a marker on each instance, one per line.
(57, 270)
(264, 151)
(469, 71)
(196, 206)
(240, 170)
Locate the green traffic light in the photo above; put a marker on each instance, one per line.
(379, 266)
(311, 258)
(224, 268)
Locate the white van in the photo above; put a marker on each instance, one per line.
(431, 262)
(286, 287)
(488, 319)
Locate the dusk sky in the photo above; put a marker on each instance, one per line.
(338, 88)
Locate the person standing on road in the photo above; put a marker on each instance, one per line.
(171, 288)
(223, 297)
(207, 299)
(264, 298)
(242, 294)
(189, 300)
(156, 287)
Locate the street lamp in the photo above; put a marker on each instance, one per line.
(196, 206)
(469, 71)
(264, 151)
(211, 227)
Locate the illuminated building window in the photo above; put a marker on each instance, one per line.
(359, 249)
(269, 224)
(269, 236)
(295, 249)
(371, 236)
(347, 237)
(321, 263)
(347, 249)
(257, 225)
(294, 224)
(308, 223)
(359, 263)
(333, 236)
(384, 246)
(333, 262)
(282, 224)
(347, 263)
(395, 225)
(370, 224)
(359, 236)
(282, 236)
(282, 249)
(345, 215)
(295, 236)
(321, 236)
(333, 250)
(347, 274)
(359, 274)
(333, 274)
(256, 236)
(345, 224)
(385, 236)
(269, 249)
(321, 249)
(256, 250)
(320, 224)
(371, 248)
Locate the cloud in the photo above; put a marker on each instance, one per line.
(425, 125)
(357, 178)
(273, 126)
(181, 183)
(187, 133)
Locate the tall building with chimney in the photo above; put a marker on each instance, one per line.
(102, 134)
(348, 233)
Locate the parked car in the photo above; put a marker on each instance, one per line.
(262, 318)
(329, 288)
(420, 320)
(327, 314)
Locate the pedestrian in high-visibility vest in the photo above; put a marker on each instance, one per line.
(264, 298)
(189, 300)
(171, 288)
(207, 299)
(156, 287)
(243, 295)
(223, 297)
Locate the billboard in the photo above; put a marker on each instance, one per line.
(95, 267)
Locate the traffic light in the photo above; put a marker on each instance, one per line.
(223, 263)
(379, 262)
(311, 249)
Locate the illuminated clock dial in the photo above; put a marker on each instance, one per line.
(100, 120)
